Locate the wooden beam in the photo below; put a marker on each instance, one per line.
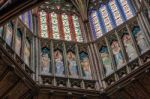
(4, 74)
(140, 86)
(9, 90)
(128, 94)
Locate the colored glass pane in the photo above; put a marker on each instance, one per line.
(106, 60)
(18, 41)
(66, 29)
(55, 28)
(43, 24)
(77, 28)
(9, 32)
(27, 52)
(27, 19)
(105, 16)
(115, 12)
(96, 24)
(85, 65)
(1, 31)
(45, 60)
(126, 8)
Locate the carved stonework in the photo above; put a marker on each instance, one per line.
(134, 64)
(145, 57)
(90, 85)
(122, 72)
(61, 82)
(47, 80)
(110, 80)
(75, 83)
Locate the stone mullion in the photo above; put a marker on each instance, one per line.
(91, 58)
(112, 58)
(98, 64)
(51, 58)
(80, 68)
(84, 30)
(145, 3)
(14, 34)
(65, 60)
(24, 32)
(88, 31)
(140, 15)
(37, 55)
(99, 59)
(146, 24)
(53, 61)
(78, 61)
(33, 46)
(32, 53)
(136, 5)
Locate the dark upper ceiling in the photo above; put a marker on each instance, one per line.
(11, 8)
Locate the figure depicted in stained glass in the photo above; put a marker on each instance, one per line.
(129, 46)
(72, 64)
(45, 61)
(9, 31)
(117, 54)
(18, 42)
(141, 41)
(1, 31)
(27, 52)
(59, 65)
(106, 61)
(85, 64)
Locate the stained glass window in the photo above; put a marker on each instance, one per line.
(59, 64)
(67, 34)
(27, 51)
(55, 29)
(18, 41)
(77, 28)
(1, 31)
(115, 11)
(140, 39)
(60, 26)
(105, 16)
(106, 60)
(126, 8)
(43, 24)
(45, 60)
(27, 19)
(85, 65)
(9, 32)
(118, 56)
(72, 64)
(96, 24)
